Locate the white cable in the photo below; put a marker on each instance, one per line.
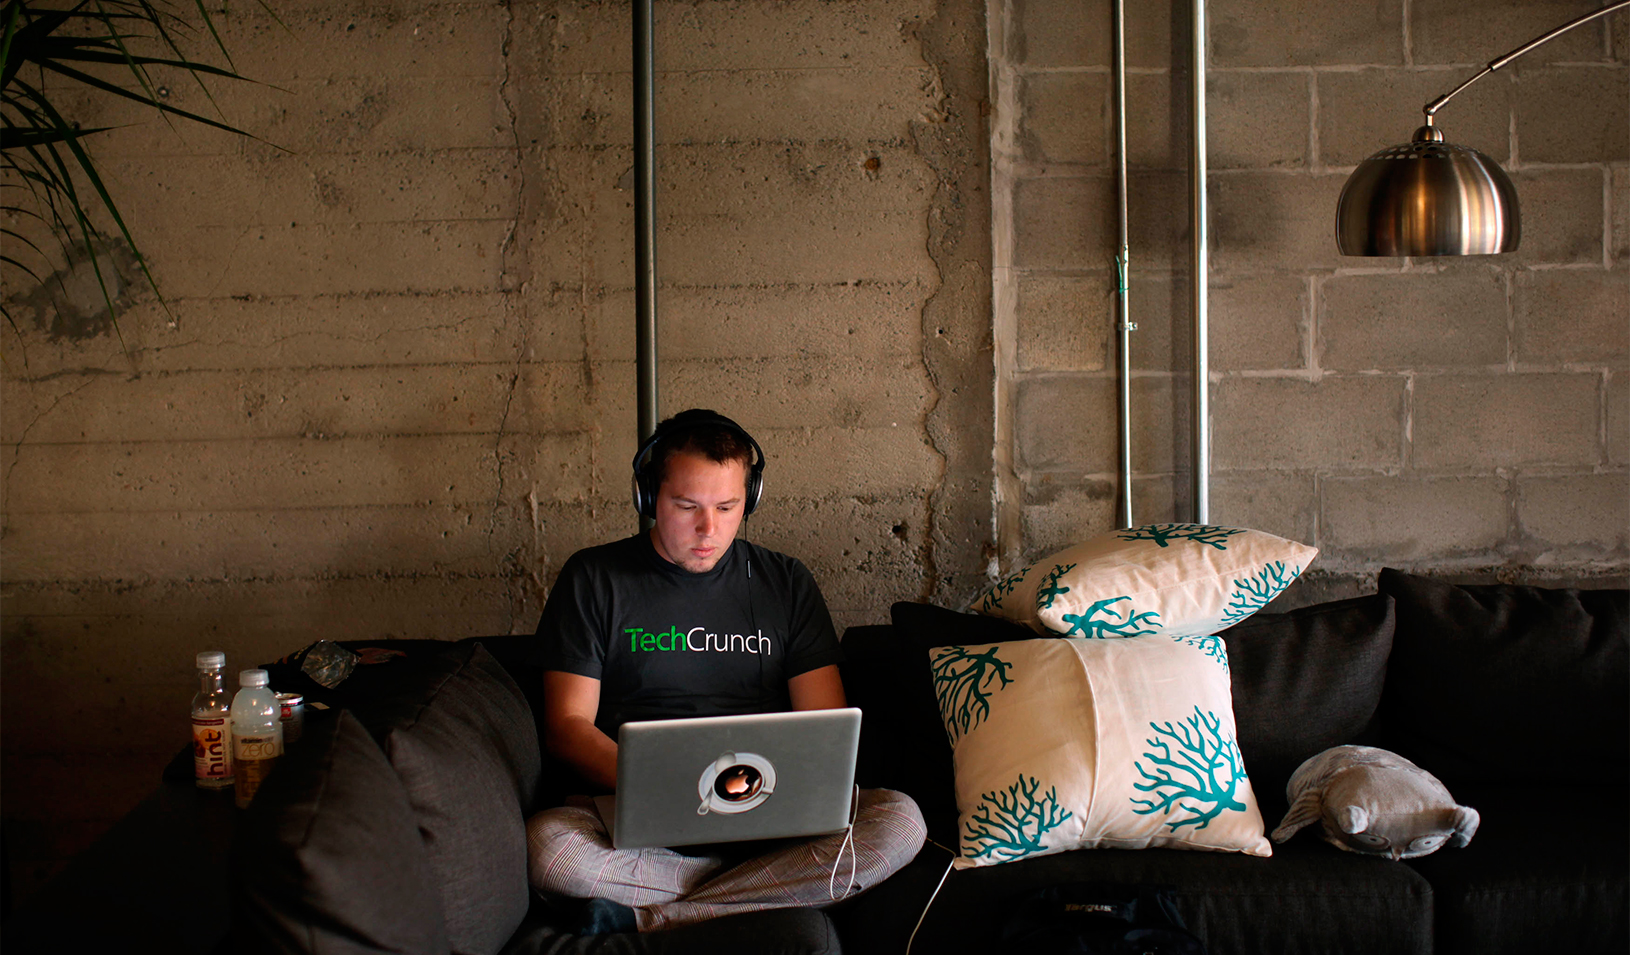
(921, 918)
(854, 864)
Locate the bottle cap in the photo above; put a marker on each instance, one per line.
(211, 660)
(252, 678)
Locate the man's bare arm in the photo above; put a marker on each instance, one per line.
(570, 704)
(818, 689)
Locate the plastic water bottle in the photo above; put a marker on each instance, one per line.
(257, 734)
(211, 725)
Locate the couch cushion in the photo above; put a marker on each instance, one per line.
(1071, 743)
(1176, 580)
(902, 742)
(1309, 897)
(1523, 885)
(328, 857)
(466, 751)
(1498, 683)
(1326, 664)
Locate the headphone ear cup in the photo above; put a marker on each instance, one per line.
(755, 488)
(645, 499)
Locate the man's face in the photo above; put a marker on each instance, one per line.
(699, 510)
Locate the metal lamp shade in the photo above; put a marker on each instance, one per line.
(1427, 197)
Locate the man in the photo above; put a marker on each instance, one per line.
(756, 638)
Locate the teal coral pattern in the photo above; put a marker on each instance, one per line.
(1254, 592)
(964, 682)
(992, 601)
(1103, 619)
(1209, 644)
(1164, 534)
(1009, 824)
(1049, 590)
(1200, 777)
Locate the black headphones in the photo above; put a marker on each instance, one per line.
(646, 483)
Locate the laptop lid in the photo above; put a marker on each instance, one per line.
(732, 778)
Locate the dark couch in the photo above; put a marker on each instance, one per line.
(1518, 698)
(396, 824)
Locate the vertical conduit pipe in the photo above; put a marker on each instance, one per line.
(645, 226)
(1123, 276)
(1201, 268)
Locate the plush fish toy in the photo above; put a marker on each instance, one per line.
(1375, 802)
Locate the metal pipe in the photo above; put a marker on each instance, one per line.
(645, 224)
(1201, 268)
(1123, 277)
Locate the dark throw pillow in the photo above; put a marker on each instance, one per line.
(1500, 683)
(466, 751)
(328, 858)
(1305, 681)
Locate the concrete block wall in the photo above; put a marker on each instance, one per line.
(394, 387)
(1462, 415)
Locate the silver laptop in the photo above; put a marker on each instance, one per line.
(731, 778)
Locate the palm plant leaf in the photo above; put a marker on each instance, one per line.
(42, 149)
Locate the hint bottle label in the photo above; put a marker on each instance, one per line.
(211, 749)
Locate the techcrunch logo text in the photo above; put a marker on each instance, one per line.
(695, 640)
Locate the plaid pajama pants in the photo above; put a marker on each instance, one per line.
(569, 852)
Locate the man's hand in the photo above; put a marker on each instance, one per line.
(570, 703)
(818, 689)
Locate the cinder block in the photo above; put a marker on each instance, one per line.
(808, 393)
(1059, 511)
(258, 543)
(1453, 318)
(1618, 417)
(1065, 117)
(1505, 420)
(1365, 111)
(1452, 31)
(1070, 223)
(1566, 513)
(1164, 314)
(1078, 33)
(1295, 33)
(326, 260)
(1570, 114)
(1260, 423)
(1257, 120)
(1565, 315)
(1066, 323)
(1620, 197)
(1273, 221)
(1257, 321)
(1159, 136)
(1279, 502)
(1562, 212)
(1385, 518)
(861, 319)
(1069, 424)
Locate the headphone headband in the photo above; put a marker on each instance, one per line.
(646, 483)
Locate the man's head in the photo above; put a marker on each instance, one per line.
(698, 483)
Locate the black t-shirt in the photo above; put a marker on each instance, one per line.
(665, 642)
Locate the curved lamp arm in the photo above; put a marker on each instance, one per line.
(1430, 109)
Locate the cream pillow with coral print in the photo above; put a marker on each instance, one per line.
(1074, 743)
(1177, 580)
